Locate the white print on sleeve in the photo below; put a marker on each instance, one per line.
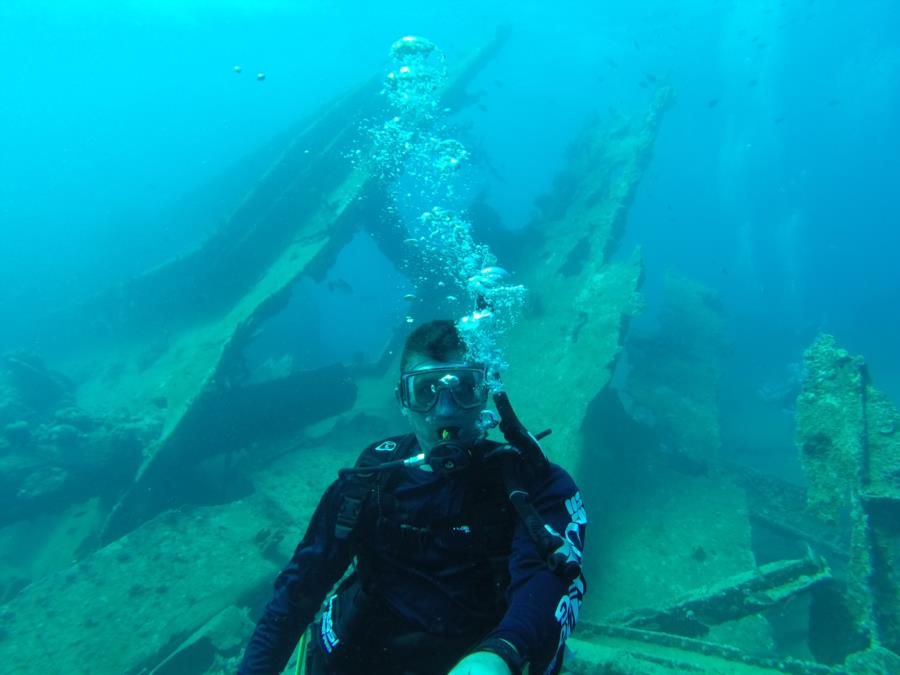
(575, 507)
(569, 606)
(572, 538)
(329, 639)
(567, 616)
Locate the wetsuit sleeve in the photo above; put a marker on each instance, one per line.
(318, 562)
(543, 606)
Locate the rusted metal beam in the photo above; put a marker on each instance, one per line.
(561, 354)
(850, 452)
(619, 650)
(730, 599)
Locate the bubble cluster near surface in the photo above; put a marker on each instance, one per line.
(413, 143)
(414, 151)
(420, 73)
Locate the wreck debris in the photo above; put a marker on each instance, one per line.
(730, 599)
(53, 453)
(581, 301)
(853, 468)
(617, 650)
(35, 385)
(158, 585)
(675, 373)
(780, 507)
(293, 222)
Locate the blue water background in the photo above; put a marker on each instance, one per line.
(774, 179)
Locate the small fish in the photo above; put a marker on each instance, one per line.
(642, 84)
(237, 69)
(340, 285)
(612, 63)
(650, 77)
(482, 107)
(637, 45)
(712, 103)
(832, 102)
(498, 84)
(410, 297)
(260, 77)
(452, 298)
(411, 241)
(753, 83)
(779, 120)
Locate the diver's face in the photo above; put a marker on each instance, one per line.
(443, 401)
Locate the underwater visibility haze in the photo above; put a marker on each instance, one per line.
(669, 231)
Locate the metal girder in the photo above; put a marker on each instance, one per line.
(729, 599)
(618, 650)
(562, 352)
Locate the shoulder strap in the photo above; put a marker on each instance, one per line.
(360, 485)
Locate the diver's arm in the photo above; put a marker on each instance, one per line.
(318, 562)
(543, 606)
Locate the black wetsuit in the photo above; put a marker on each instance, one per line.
(442, 564)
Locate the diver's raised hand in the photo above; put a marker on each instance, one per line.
(481, 663)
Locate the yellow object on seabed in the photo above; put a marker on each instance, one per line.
(301, 653)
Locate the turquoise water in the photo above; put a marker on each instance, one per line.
(131, 132)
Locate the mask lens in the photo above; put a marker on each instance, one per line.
(423, 389)
(469, 391)
(465, 385)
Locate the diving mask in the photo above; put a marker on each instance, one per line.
(419, 390)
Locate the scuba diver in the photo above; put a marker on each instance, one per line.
(451, 553)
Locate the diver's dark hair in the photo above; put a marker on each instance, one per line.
(437, 340)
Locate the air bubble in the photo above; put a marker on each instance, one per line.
(412, 150)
